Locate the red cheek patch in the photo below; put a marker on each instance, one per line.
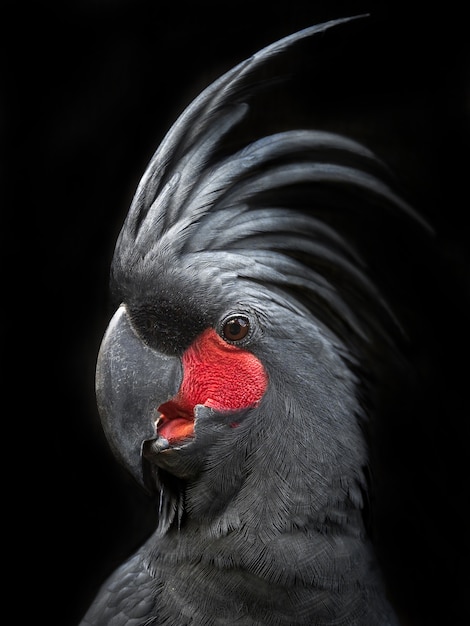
(217, 374)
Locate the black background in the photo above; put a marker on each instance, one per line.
(90, 89)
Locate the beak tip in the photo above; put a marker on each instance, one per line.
(132, 380)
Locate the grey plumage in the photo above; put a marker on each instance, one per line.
(261, 523)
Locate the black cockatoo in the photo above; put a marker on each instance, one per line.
(239, 374)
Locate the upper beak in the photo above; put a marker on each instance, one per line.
(132, 380)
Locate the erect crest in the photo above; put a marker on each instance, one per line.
(286, 209)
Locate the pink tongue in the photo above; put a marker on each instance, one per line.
(176, 421)
(176, 429)
(216, 374)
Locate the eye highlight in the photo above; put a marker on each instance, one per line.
(235, 328)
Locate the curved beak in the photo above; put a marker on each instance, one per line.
(132, 380)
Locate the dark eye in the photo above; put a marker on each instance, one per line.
(236, 328)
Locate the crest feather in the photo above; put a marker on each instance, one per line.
(290, 209)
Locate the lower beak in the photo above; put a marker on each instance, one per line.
(132, 380)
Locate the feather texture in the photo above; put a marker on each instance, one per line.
(261, 512)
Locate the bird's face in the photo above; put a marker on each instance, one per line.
(176, 381)
(171, 376)
(167, 360)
